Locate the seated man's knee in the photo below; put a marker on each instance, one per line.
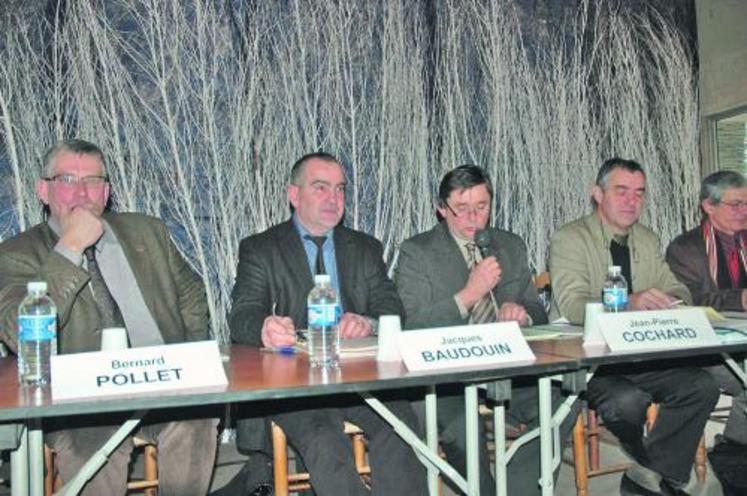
(702, 383)
(628, 406)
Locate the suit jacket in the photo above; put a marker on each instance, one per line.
(580, 257)
(687, 258)
(273, 271)
(173, 293)
(431, 270)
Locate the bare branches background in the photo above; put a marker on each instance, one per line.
(203, 106)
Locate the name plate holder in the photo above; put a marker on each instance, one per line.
(444, 348)
(137, 370)
(657, 329)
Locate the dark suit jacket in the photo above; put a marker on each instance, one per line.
(687, 258)
(173, 293)
(273, 270)
(431, 270)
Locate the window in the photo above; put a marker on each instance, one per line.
(731, 142)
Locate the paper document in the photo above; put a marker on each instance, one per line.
(349, 348)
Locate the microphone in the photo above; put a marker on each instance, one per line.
(482, 241)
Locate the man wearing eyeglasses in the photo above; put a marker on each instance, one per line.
(580, 253)
(106, 269)
(711, 260)
(444, 280)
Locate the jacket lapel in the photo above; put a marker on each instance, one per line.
(346, 266)
(449, 260)
(295, 255)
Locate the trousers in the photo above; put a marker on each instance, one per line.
(186, 455)
(686, 397)
(317, 434)
(523, 471)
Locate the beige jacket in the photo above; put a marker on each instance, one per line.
(580, 256)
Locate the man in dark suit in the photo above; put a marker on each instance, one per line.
(443, 280)
(109, 270)
(273, 280)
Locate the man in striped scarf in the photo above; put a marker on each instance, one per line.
(710, 260)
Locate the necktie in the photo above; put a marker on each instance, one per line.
(108, 308)
(483, 311)
(319, 242)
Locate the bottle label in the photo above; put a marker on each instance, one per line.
(324, 315)
(615, 298)
(37, 327)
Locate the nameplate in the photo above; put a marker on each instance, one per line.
(657, 329)
(463, 346)
(137, 370)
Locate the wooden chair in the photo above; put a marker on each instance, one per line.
(586, 439)
(542, 280)
(148, 485)
(286, 482)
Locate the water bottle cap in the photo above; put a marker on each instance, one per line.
(322, 279)
(36, 287)
(614, 269)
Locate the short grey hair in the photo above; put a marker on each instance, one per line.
(300, 166)
(714, 185)
(78, 146)
(610, 165)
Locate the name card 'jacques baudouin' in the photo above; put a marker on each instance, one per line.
(137, 370)
(463, 346)
(631, 331)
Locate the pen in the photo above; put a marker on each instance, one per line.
(281, 350)
(676, 302)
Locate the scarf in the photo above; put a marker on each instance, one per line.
(733, 257)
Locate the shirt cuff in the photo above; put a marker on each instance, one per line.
(463, 312)
(74, 257)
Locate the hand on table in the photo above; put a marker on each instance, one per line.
(278, 332)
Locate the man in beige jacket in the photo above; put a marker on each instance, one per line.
(580, 254)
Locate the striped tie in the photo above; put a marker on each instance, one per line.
(111, 316)
(483, 312)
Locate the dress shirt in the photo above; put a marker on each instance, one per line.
(330, 262)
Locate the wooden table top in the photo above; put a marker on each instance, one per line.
(601, 355)
(255, 375)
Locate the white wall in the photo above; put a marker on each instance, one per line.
(722, 48)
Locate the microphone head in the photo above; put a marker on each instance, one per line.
(482, 239)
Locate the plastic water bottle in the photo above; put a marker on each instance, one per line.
(615, 291)
(323, 317)
(37, 335)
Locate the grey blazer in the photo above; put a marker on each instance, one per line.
(431, 270)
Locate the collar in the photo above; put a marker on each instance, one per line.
(302, 231)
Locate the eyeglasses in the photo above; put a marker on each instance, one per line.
(71, 180)
(464, 210)
(735, 205)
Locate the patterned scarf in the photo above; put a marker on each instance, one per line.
(733, 258)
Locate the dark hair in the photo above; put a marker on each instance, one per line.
(616, 163)
(300, 165)
(78, 146)
(714, 185)
(463, 177)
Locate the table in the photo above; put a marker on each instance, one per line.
(254, 375)
(593, 356)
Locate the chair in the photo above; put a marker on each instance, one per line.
(586, 438)
(286, 482)
(148, 485)
(542, 280)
